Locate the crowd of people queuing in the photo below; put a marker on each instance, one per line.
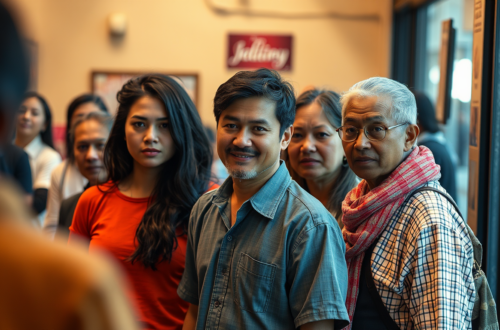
(319, 224)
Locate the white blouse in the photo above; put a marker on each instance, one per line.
(43, 160)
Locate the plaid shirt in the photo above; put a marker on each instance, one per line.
(422, 265)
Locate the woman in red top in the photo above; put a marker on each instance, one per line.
(158, 158)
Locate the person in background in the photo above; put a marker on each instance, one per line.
(158, 159)
(417, 251)
(219, 171)
(66, 179)
(45, 285)
(432, 137)
(88, 137)
(315, 156)
(34, 135)
(262, 253)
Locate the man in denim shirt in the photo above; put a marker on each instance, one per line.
(262, 253)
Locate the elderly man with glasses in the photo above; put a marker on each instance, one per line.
(408, 253)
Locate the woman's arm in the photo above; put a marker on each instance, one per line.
(191, 318)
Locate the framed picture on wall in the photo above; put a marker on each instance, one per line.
(107, 83)
(446, 58)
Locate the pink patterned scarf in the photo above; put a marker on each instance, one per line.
(366, 212)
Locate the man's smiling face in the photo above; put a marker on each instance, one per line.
(248, 140)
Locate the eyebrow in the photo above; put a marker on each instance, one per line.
(256, 121)
(91, 140)
(146, 119)
(320, 126)
(374, 118)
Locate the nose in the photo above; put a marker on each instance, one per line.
(151, 135)
(242, 139)
(92, 154)
(362, 142)
(308, 144)
(26, 115)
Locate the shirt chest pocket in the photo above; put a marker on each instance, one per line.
(253, 284)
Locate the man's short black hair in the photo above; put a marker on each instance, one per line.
(263, 82)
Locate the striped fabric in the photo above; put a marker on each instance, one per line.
(366, 213)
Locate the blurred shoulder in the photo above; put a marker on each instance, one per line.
(49, 154)
(58, 170)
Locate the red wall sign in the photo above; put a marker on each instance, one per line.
(260, 51)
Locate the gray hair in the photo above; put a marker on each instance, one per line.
(101, 117)
(401, 102)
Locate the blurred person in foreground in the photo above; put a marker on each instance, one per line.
(34, 135)
(88, 138)
(66, 179)
(262, 253)
(433, 138)
(44, 285)
(315, 156)
(418, 251)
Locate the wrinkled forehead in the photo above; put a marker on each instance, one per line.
(91, 129)
(362, 109)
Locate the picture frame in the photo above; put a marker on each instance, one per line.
(446, 58)
(106, 84)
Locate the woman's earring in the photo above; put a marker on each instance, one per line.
(344, 161)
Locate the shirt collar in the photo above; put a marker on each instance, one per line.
(267, 199)
(34, 147)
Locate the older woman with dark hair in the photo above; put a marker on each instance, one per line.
(315, 156)
(66, 179)
(88, 137)
(413, 245)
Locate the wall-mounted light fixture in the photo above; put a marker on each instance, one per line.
(117, 23)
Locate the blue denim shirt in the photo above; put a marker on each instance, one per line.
(280, 266)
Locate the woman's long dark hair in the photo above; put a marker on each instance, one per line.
(46, 135)
(346, 180)
(78, 101)
(183, 178)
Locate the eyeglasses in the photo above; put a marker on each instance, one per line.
(374, 132)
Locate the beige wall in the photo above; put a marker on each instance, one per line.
(186, 35)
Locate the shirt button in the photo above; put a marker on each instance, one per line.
(230, 238)
(217, 303)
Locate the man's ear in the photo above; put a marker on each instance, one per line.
(287, 137)
(411, 134)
